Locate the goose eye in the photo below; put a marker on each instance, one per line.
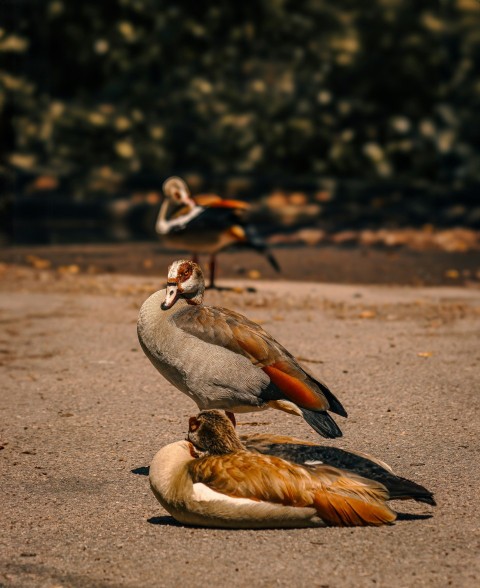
(193, 424)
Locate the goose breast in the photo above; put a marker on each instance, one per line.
(214, 377)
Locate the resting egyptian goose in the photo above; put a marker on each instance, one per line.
(235, 488)
(221, 359)
(206, 224)
(213, 433)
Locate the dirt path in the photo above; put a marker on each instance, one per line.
(324, 263)
(83, 412)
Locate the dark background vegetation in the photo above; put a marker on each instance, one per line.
(369, 112)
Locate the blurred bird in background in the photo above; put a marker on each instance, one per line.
(206, 223)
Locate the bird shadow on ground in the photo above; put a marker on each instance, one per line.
(164, 521)
(167, 521)
(406, 516)
(142, 471)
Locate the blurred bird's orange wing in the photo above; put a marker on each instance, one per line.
(214, 201)
(206, 200)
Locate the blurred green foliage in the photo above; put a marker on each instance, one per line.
(99, 91)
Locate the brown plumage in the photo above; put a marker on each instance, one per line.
(241, 489)
(213, 433)
(339, 499)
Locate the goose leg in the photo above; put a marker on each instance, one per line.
(213, 286)
(212, 273)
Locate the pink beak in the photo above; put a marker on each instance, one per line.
(171, 296)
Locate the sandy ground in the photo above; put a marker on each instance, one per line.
(83, 412)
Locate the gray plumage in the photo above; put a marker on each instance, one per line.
(221, 359)
(212, 376)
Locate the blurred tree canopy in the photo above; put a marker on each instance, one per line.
(98, 92)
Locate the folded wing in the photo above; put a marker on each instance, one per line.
(235, 332)
(339, 498)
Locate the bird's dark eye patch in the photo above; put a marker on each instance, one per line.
(193, 424)
(184, 272)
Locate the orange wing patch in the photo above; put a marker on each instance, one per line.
(232, 204)
(237, 232)
(350, 500)
(214, 201)
(294, 389)
(207, 199)
(348, 511)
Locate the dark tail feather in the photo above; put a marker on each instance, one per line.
(254, 241)
(401, 489)
(334, 403)
(322, 423)
(271, 259)
(263, 249)
(398, 488)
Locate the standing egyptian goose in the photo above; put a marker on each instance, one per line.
(206, 224)
(213, 433)
(239, 489)
(223, 360)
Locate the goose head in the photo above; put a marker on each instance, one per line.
(185, 280)
(176, 190)
(213, 432)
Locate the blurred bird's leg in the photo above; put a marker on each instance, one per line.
(212, 272)
(212, 285)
